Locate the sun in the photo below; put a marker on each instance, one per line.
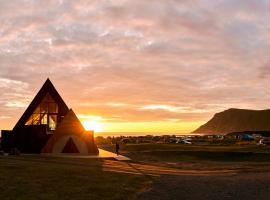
(92, 125)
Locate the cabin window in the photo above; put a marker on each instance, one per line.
(45, 113)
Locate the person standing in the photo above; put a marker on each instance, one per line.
(117, 147)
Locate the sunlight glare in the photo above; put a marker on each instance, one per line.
(92, 125)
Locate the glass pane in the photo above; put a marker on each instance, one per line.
(37, 110)
(30, 121)
(50, 99)
(36, 119)
(46, 98)
(52, 122)
(44, 107)
(44, 118)
(53, 108)
(47, 107)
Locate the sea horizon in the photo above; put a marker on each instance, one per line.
(116, 134)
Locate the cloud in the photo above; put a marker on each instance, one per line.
(188, 59)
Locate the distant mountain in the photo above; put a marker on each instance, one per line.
(237, 120)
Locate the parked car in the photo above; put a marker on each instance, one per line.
(246, 137)
(184, 141)
(265, 141)
(173, 140)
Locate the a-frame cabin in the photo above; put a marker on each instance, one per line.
(39, 123)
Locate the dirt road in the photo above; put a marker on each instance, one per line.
(185, 184)
(154, 170)
(241, 186)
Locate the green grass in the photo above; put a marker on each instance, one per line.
(182, 147)
(190, 156)
(37, 177)
(190, 153)
(40, 177)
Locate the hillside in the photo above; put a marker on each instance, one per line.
(237, 120)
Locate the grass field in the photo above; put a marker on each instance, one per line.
(187, 153)
(29, 177)
(35, 177)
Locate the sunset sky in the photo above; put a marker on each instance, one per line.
(138, 65)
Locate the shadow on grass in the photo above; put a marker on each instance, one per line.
(39, 177)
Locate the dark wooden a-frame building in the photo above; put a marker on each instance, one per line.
(41, 120)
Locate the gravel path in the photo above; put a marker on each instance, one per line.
(242, 186)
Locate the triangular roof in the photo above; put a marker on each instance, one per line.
(69, 127)
(46, 88)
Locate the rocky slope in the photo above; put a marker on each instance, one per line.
(237, 120)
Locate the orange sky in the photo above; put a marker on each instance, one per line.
(148, 66)
(94, 118)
